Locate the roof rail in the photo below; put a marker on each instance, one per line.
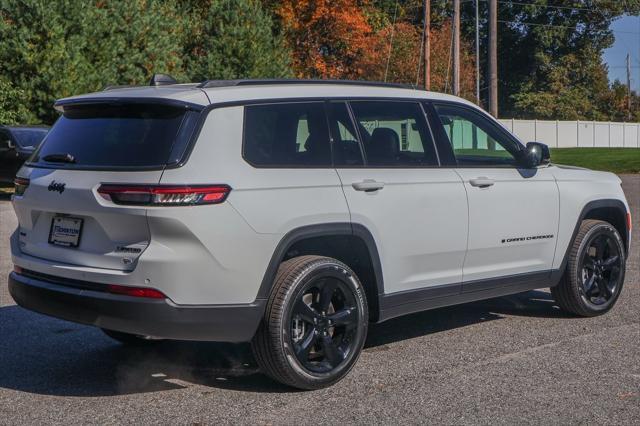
(259, 82)
(116, 86)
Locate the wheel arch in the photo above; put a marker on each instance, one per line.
(352, 244)
(612, 211)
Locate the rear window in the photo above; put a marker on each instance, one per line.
(104, 136)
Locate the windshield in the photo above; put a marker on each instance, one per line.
(29, 138)
(109, 135)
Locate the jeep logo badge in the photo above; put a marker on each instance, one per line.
(56, 186)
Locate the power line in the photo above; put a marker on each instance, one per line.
(560, 26)
(546, 6)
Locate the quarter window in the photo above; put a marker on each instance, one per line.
(474, 140)
(293, 134)
(394, 133)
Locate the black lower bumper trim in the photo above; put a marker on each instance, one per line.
(148, 317)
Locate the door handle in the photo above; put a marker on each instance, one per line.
(481, 182)
(368, 185)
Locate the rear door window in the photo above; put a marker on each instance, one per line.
(394, 133)
(286, 135)
(105, 136)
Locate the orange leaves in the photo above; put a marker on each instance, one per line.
(333, 39)
(327, 37)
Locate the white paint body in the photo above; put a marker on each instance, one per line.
(431, 226)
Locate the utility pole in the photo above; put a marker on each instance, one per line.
(477, 53)
(493, 57)
(426, 33)
(456, 47)
(628, 87)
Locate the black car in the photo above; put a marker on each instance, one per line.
(17, 143)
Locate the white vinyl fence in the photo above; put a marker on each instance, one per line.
(576, 134)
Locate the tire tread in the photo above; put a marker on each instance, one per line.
(267, 340)
(566, 293)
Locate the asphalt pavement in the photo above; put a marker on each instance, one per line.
(511, 360)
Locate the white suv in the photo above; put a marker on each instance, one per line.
(293, 213)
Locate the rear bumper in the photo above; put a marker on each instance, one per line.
(148, 317)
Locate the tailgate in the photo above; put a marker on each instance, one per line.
(63, 219)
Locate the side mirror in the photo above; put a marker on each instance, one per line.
(536, 154)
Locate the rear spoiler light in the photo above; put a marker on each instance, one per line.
(164, 195)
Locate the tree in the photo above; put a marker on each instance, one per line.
(12, 111)
(327, 37)
(233, 39)
(128, 41)
(403, 55)
(53, 49)
(571, 90)
(550, 55)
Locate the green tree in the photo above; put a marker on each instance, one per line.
(12, 111)
(230, 39)
(53, 49)
(550, 55)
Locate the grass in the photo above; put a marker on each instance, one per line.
(616, 160)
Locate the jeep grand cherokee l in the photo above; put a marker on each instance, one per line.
(292, 213)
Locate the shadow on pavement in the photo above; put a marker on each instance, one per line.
(52, 357)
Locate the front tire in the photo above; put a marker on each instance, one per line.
(595, 271)
(315, 323)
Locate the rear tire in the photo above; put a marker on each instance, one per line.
(127, 338)
(593, 280)
(315, 323)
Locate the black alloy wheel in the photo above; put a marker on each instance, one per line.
(595, 270)
(601, 264)
(315, 323)
(324, 321)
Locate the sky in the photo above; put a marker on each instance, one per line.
(627, 32)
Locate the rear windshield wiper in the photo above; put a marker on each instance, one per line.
(59, 158)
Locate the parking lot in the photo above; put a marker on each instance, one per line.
(510, 360)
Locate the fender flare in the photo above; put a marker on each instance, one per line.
(589, 207)
(321, 230)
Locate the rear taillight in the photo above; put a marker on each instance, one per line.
(150, 293)
(164, 195)
(21, 185)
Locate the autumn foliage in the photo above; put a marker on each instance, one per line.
(334, 39)
(327, 37)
